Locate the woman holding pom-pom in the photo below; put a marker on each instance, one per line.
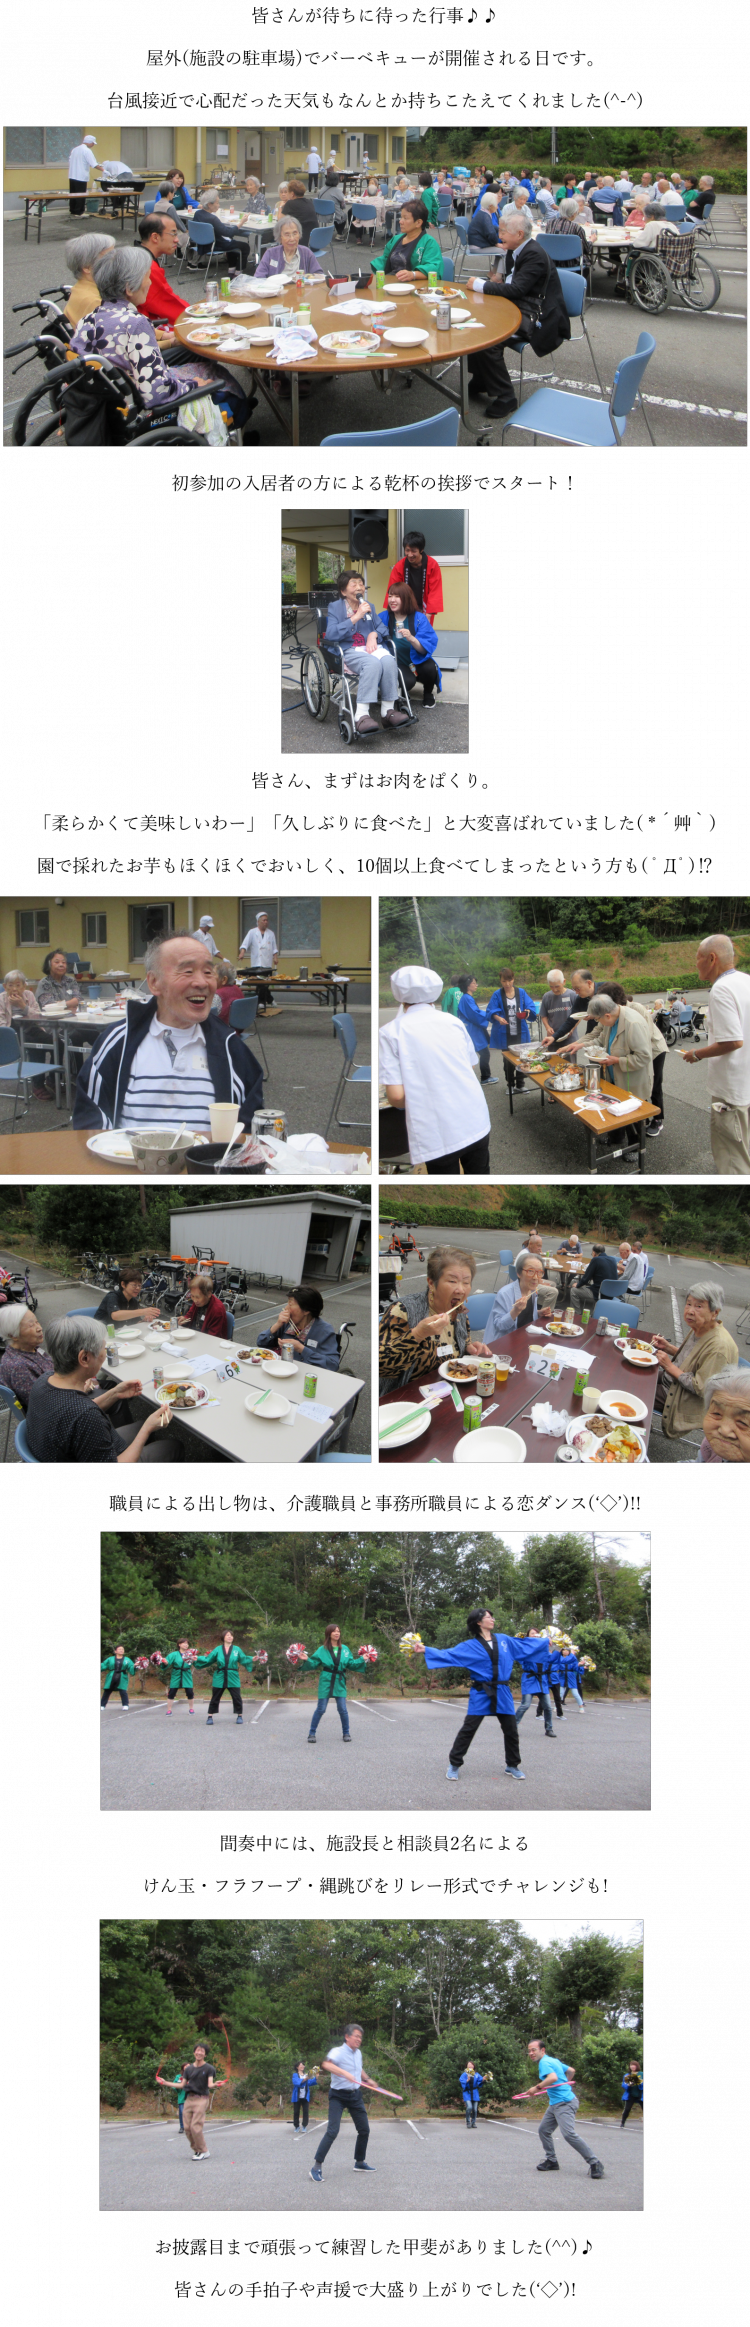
(332, 1662)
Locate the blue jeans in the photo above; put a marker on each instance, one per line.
(343, 1714)
(571, 1692)
(547, 1703)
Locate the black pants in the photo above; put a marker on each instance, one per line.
(484, 1064)
(469, 1728)
(428, 674)
(474, 1159)
(632, 2102)
(122, 1693)
(77, 187)
(513, 1074)
(354, 2103)
(554, 1689)
(217, 1694)
(264, 995)
(312, 181)
(490, 374)
(305, 2107)
(657, 1091)
(172, 1693)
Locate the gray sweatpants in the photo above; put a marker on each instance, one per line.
(562, 2114)
(730, 1140)
(375, 675)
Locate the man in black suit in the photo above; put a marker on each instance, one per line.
(533, 284)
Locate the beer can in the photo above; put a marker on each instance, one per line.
(472, 1413)
(485, 1376)
(309, 1386)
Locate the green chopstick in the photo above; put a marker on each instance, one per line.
(401, 1424)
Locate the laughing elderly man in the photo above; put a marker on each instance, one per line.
(170, 1058)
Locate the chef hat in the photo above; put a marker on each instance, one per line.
(89, 141)
(262, 915)
(416, 984)
(205, 921)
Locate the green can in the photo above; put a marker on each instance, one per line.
(309, 1386)
(432, 279)
(472, 1413)
(585, 1318)
(579, 1384)
(379, 280)
(225, 286)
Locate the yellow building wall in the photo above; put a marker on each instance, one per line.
(455, 615)
(344, 931)
(28, 180)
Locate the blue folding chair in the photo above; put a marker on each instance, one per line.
(82, 1313)
(201, 240)
(13, 1069)
(440, 428)
(646, 1294)
(362, 214)
(242, 1018)
(674, 213)
(505, 1261)
(478, 1308)
(565, 249)
(22, 1444)
(148, 207)
(324, 208)
(549, 412)
(230, 1325)
(449, 270)
(344, 1458)
(7, 1398)
(573, 289)
(347, 1035)
(617, 1312)
(320, 238)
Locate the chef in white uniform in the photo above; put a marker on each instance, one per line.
(261, 945)
(427, 1064)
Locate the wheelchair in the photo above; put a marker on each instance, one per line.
(94, 402)
(324, 681)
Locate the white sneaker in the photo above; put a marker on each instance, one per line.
(124, 1708)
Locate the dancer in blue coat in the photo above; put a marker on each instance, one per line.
(302, 2085)
(573, 1672)
(475, 1020)
(556, 1683)
(632, 2090)
(489, 1656)
(535, 1679)
(471, 2083)
(509, 1013)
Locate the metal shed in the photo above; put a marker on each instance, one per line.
(307, 1233)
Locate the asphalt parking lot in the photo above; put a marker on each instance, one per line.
(420, 2167)
(695, 387)
(598, 1760)
(444, 729)
(546, 1139)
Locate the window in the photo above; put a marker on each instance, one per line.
(295, 920)
(297, 141)
(25, 147)
(446, 533)
(32, 928)
(94, 929)
(217, 145)
(370, 144)
(397, 149)
(147, 149)
(145, 923)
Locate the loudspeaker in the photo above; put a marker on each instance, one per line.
(368, 533)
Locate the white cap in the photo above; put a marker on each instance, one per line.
(416, 984)
(205, 921)
(89, 141)
(262, 916)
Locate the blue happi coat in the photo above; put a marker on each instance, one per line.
(489, 1689)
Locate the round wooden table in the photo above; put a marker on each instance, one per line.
(493, 321)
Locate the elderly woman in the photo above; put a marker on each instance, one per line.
(353, 625)
(252, 200)
(228, 990)
(518, 207)
(17, 1000)
(206, 1312)
(624, 1035)
(413, 253)
(289, 257)
(57, 984)
(518, 1304)
(375, 200)
(180, 193)
(117, 331)
(81, 255)
(301, 1322)
(726, 1416)
(67, 1423)
(483, 227)
(24, 1360)
(234, 245)
(687, 1366)
(423, 1327)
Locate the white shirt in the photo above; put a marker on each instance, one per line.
(347, 2059)
(161, 1090)
(729, 1021)
(669, 194)
(313, 159)
(545, 199)
(638, 1275)
(116, 170)
(205, 937)
(81, 160)
(433, 1055)
(261, 948)
(623, 186)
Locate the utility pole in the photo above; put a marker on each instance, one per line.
(418, 919)
(599, 1597)
(553, 148)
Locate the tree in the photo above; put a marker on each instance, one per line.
(609, 1646)
(587, 1971)
(554, 1566)
(490, 2048)
(603, 2058)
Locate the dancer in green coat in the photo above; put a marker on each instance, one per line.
(333, 1661)
(227, 1657)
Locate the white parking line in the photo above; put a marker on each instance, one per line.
(410, 2121)
(263, 1709)
(373, 1709)
(668, 403)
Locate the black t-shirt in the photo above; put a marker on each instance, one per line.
(116, 1300)
(116, 1673)
(66, 1426)
(415, 575)
(196, 2078)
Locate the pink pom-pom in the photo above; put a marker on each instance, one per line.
(296, 1652)
(157, 1657)
(260, 1656)
(369, 1652)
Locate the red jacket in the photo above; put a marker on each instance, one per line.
(432, 602)
(213, 1319)
(162, 304)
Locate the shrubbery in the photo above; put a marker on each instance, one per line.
(490, 2048)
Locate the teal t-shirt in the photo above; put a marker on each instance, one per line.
(560, 2090)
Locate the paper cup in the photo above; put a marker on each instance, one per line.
(223, 1120)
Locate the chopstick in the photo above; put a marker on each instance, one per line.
(401, 1424)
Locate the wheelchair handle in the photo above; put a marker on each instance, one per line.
(20, 348)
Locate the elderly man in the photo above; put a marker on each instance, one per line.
(204, 935)
(531, 1250)
(260, 944)
(159, 235)
(518, 207)
(556, 1011)
(532, 283)
(687, 1366)
(584, 984)
(727, 1054)
(516, 1305)
(167, 1061)
(632, 1269)
(664, 194)
(601, 1268)
(427, 1067)
(235, 246)
(726, 1416)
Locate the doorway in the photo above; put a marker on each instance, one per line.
(354, 153)
(271, 157)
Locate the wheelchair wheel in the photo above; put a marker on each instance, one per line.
(316, 683)
(671, 1037)
(346, 727)
(51, 421)
(700, 289)
(648, 282)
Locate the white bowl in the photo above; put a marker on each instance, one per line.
(280, 1367)
(176, 1369)
(131, 1349)
(611, 1399)
(399, 290)
(390, 1437)
(273, 1408)
(490, 1445)
(406, 335)
(242, 307)
(183, 1333)
(130, 1332)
